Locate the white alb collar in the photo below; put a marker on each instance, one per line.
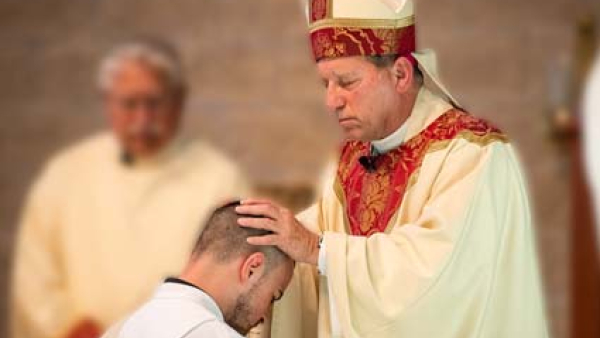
(392, 141)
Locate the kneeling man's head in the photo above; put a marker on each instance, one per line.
(245, 280)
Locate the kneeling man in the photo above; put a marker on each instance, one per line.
(226, 288)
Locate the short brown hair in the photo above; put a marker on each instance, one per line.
(225, 239)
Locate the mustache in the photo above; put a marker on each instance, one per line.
(150, 131)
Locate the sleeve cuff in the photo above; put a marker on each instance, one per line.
(322, 262)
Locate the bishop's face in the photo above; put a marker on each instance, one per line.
(362, 97)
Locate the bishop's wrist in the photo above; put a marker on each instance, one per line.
(315, 246)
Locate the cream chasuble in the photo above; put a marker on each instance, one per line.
(436, 242)
(97, 236)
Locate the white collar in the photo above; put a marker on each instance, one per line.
(392, 141)
(427, 108)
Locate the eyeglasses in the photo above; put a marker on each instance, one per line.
(150, 103)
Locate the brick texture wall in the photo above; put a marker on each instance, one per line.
(255, 92)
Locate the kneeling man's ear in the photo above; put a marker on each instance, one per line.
(252, 268)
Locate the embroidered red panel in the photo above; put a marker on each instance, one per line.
(333, 42)
(372, 198)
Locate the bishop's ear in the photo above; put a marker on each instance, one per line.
(252, 268)
(404, 72)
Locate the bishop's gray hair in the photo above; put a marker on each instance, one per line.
(385, 61)
(159, 55)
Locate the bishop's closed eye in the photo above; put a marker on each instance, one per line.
(347, 83)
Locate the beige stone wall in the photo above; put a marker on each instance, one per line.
(255, 94)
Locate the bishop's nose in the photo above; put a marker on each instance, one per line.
(334, 101)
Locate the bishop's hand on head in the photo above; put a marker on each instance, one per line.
(288, 234)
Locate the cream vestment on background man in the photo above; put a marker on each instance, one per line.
(98, 236)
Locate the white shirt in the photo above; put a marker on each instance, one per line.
(176, 311)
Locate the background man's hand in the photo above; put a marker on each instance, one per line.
(85, 328)
(289, 235)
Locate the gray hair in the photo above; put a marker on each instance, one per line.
(159, 55)
(385, 61)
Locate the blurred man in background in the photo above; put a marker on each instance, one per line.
(591, 134)
(227, 287)
(113, 215)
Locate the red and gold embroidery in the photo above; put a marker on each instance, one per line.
(337, 37)
(372, 199)
(325, 46)
(319, 10)
(334, 41)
